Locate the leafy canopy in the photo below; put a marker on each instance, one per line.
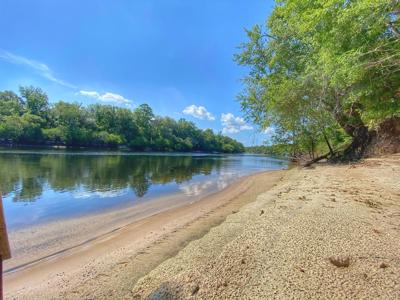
(30, 119)
(320, 69)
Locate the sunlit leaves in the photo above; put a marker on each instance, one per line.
(316, 59)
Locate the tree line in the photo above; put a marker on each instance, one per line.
(29, 119)
(277, 150)
(26, 176)
(324, 74)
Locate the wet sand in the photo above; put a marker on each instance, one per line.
(125, 246)
(44, 241)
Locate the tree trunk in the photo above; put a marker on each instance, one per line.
(312, 149)
(309, 163)
(327, 142)
(352, 124)
(359, 145)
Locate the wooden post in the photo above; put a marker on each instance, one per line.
(1, 278)
(4, 245)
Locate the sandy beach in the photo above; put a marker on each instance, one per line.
(328, 231)
(44, 241)
(55, 262)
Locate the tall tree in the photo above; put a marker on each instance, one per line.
(31, 120)
(36, 101)
(11, 104)
(325, 63)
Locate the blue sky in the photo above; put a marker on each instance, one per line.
(175, 55)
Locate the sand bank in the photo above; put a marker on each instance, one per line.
(55, 262)
(328, 232)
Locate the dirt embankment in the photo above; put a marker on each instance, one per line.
(386, 138)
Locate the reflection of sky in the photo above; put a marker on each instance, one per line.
(55, 204)
(83, 194)
(214, 182)
(238, 166)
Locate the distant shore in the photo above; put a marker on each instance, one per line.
(122, 238)
(103, 148)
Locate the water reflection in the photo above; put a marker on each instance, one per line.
(98, 194)
(220, 182)
(42, 186)
(26, 176)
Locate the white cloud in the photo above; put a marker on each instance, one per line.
(106, 97)
(89, 94)
(199, 112)
(38, 66)
(232, 124)
(47, 73)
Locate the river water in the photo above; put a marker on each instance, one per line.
(46, 185)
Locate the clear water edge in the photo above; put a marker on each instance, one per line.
(40, 186)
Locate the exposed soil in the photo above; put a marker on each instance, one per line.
(387, 138)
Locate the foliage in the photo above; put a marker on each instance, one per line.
(323, 71)
(36, 101)
(278, 150)
(31, 172)
(30, 119)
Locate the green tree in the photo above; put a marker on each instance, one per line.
(115, 120)
(36, 101)
(11, 129)
(11, 104)
(72, 122)
(30, 120)
(32, 129)
(320, 65)
(143, 117)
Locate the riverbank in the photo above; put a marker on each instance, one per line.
(326, 232)
(329, 231)
(121, 251)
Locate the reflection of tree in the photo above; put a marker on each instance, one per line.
(140, 184)
(31, 189)
(25, 174)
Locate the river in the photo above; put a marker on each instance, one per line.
(45, 185)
